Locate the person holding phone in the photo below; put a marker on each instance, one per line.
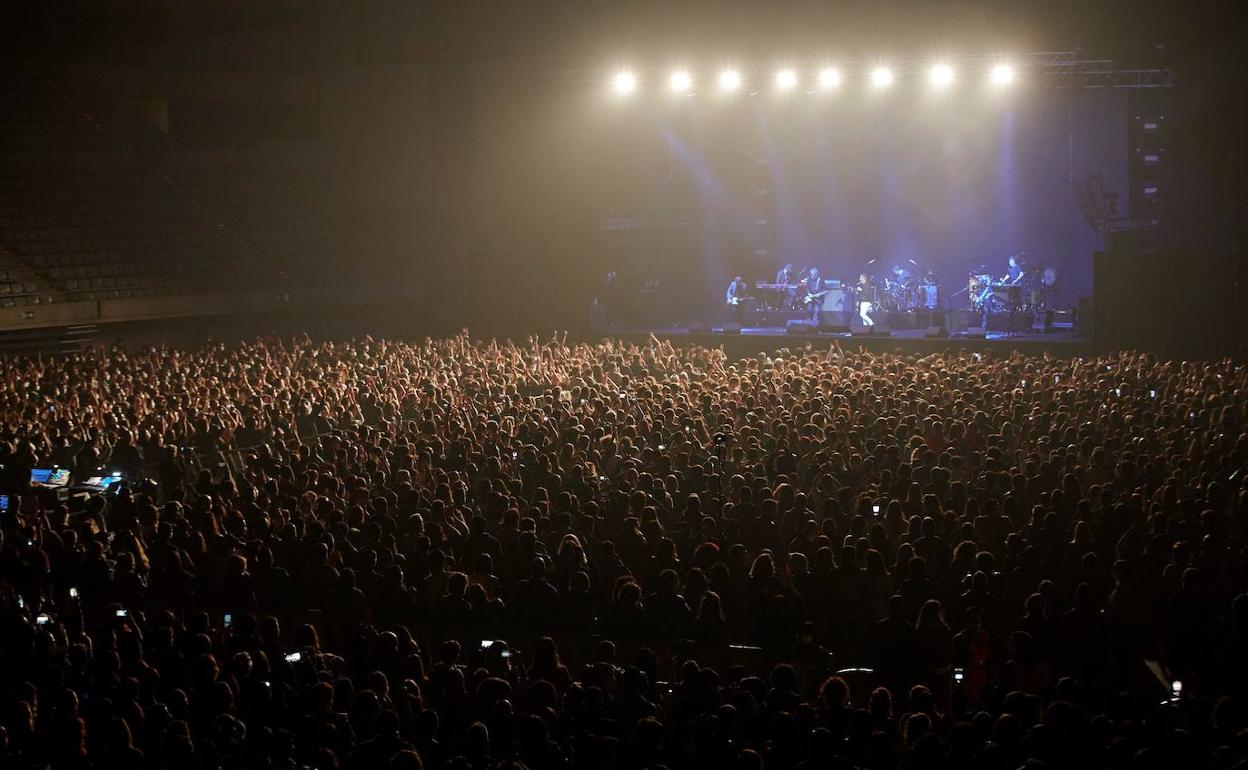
(972, 646)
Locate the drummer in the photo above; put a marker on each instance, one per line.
(900, 274)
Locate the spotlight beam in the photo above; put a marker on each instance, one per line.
(624, 83)
(1002, 74)
(941, 76)
(829, 78)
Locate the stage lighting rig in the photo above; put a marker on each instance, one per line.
(940, 75)
(829, 78)
(680, 81)
(1002, 74)
(624, 83)
(729, 80)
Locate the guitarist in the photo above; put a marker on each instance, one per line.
(735, 298)
(814, 293)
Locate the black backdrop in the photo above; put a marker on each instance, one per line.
(951, 182)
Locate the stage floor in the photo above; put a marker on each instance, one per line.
(754, 339)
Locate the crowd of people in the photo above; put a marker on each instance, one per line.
(475, 554)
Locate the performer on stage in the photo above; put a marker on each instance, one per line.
(785, 276)
(735, 298)
(866, 299)
(900, 274)
(814, 292)
(1013, 273)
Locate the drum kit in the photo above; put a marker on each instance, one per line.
(1033, 290)
(901, 293)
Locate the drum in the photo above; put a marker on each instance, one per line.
(887, 299)
(870, 292)
(913, 292)
(979, 290)
(930, 294)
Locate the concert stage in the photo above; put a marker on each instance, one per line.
(756, 339)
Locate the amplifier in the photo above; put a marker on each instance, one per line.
(837, 300)
(1063, 319)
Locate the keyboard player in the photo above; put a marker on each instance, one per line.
(786, 286)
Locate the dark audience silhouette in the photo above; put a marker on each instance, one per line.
(471, 554)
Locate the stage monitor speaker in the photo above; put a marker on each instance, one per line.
(978, 332)
(902, 320)
(699, 327)
(800, 326)
(732, 327)
(958, 321)
(936, 333)
(833, 321)
(879, 330)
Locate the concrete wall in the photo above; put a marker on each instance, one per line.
(138, 309)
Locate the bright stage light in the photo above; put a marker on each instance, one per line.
(786, 79)
(941, 76)
(730, 80)
(680, 81)
(829, 78)
(624, 83)
(881, 77)
(1002, 75)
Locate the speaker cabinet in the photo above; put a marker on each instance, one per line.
(800, 326)
(879, 330)
(837, 300)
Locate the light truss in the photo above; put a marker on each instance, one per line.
(1051, 69)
